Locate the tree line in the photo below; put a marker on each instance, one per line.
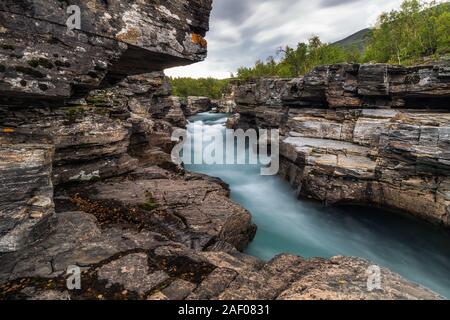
(205, 87)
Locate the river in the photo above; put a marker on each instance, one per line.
(415, 249)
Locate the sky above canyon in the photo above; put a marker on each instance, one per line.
(242, 31)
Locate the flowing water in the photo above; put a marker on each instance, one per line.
(417, 250)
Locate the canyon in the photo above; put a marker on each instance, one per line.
(86, 176)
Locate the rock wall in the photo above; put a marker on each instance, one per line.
(361, 134)
(77, 105)
(223, 105)
(196, 105)
(26, 204)
(227, 103)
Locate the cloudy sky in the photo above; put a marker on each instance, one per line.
(242, 31)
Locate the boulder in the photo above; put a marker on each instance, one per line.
(193, 210)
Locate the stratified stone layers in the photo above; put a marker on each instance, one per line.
(369, 134)
(68, 90)
(196, 105)
(109, 133)
(26, 203)
(41, 58)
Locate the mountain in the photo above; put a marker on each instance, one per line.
(358, 39)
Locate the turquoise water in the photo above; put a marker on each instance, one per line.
(415, 249)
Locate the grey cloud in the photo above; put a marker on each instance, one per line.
(238, 10)
(233, 10)
(334, 3)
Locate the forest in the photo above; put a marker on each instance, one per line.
(204, 87)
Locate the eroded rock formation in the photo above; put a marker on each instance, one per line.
(361, 134)
(26, 205)
(196, 105)
(227, 103)
(41, 58)
(52, 127)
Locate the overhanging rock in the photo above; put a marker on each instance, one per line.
(40, 58)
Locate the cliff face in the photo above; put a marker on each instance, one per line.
(361, 134)
(77, 105)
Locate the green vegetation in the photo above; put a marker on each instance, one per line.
(403, 36)
(299, 61)
(73, 113)
(205, 87)
(150, 204)
(98, 100)
(7, 47)
(416, 30)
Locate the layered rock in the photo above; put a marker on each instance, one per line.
(41, 58)
(369, 134)
(126, 264)
(93, 220)
(259, 102)
(26, 203)
(46, 72)
(197, 105)
(191, 209)
(227, 103)
(223, 106)
(94, 137)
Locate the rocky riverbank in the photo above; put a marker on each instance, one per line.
(86, 118)
(361, 134)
